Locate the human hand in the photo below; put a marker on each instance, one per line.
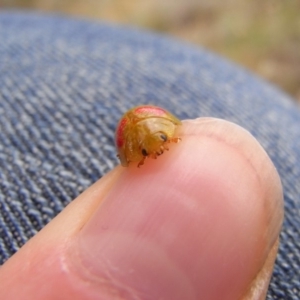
(200, 222)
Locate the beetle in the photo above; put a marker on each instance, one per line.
(144, 131)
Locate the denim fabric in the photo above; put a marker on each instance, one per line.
(63, 86)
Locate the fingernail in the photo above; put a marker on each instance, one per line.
(196, 223)
(259, 286)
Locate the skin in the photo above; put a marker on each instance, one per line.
(200, 222)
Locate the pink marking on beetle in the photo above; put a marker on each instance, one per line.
(120, 133)
(152, 110)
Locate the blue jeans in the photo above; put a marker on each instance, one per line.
(65, 83)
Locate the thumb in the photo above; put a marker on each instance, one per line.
(200, 222)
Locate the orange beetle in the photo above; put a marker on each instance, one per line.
(143, 132)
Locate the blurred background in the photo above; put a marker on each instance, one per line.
(262, 35)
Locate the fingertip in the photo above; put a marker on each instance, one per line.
(210, 208)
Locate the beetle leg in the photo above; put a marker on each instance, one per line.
(175, 140)
(154, 155)
(142, 161)
(162, 149)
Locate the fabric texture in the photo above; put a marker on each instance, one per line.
(64, 84)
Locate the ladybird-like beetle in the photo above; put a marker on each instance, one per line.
(144, 131)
